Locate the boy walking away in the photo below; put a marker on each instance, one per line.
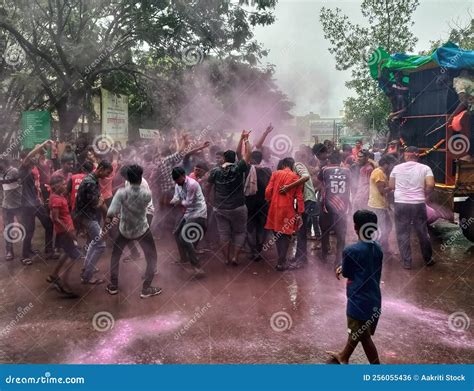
(362, 266)
(131, 204)
(65, 237)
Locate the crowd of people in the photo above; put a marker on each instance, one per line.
(242, 194)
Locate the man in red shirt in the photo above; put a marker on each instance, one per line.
(106, 188)
(199, 172)
(363, 170)
(67, 165)
(357, 148)
(65, 236)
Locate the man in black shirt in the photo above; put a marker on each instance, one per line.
(257, 206)
(335, 182)
(229, 200)
(89, 206)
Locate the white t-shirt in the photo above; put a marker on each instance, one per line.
(410, 182)
(150, 209)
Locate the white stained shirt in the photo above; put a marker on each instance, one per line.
(191, 197)
(150, 209)
(410, 182)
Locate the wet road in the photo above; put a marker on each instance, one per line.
(244, 314)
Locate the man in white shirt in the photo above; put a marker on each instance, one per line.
(192, 226)
(412, 182)
(150, 210)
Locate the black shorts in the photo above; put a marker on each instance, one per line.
(359, 328)
(65, 242)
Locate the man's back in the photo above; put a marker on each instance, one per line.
(87, 197)
(410, 182)
(258, 199)
(228, 181)
(131, 203)
(336, 187)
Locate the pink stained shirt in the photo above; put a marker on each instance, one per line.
(106, 188)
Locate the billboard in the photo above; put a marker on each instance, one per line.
(114, 116)
(149, 133)
(35, 128)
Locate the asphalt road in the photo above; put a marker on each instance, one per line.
(244, 314)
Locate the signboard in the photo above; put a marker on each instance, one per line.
(35, 128)
(114, 116)
(149, 133)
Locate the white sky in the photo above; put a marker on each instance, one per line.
(305, 70)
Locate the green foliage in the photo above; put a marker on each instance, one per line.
(74, 47)
(463, 36)
(389, 25)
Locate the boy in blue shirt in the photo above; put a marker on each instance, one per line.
(362, 266)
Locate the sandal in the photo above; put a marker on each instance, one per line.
(26, 261)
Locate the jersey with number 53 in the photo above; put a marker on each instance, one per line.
(336, 188)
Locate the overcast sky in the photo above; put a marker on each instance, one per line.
(305, 70)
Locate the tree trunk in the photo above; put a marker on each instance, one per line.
(68, 115)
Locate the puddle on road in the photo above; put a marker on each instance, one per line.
(112, 346)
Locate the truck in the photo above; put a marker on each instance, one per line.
(437, 117)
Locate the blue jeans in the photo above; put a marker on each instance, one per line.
(95, 249)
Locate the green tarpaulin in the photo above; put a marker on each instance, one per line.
(449, 56)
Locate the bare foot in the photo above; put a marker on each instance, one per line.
(337, 356)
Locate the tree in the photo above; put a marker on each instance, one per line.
(463, 36)
(389, 24)
(71, 46)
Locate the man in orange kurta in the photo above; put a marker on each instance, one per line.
(282, 218)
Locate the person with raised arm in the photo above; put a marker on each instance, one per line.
(227, 181)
